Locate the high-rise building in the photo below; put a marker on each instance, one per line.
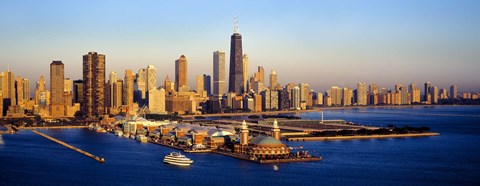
(443, 93)
(295, 97)
(453, 91)
(200, 86)
(128, 88)
(219, 73)
(347, 96)
(10, 92)
(304, 91)
(169, 86)
(117, 94)
(273, 80)
(41, 94)
(414, 93)
(26, 89)
(361, 94)
(156, 101)
(434, 94)
(245, 72)
(151, 82)
(181, 73)
(19, 90)
(236, 62)
(57, 83)
(94, 84)
(78, 91)
(335, 94)
(426, 90)
(141, 85)
(207, 84)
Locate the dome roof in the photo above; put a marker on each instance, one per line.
(265, 140)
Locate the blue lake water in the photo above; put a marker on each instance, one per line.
(453, 158)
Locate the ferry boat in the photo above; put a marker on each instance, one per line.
(175, 158)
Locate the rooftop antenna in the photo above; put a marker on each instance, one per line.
(235, 25)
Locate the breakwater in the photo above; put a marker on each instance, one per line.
(96, 158)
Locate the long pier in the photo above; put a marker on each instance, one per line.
(427, 134)
(96, 158)
(54, 127)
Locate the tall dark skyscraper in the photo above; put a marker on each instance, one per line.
(235, 82)
(93, 84)
(57, 78)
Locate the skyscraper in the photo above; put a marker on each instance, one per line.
(453, 91)
(245, 72)
(26, 89)
(128, 89)
(295, 101)
(93, 84)
(117, 93)
(273, 80)
(181, 73)
(10, 88)
(361, 94)
(199, 81)
(219, 73)
(427, 90)
(207, 84)
(151, 77)
(57, 78)
(19, 89)
(78, 91)
(235, 84)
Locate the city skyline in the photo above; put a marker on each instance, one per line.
(444, 61)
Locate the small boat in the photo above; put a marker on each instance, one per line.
(275, 167)
(175, 158)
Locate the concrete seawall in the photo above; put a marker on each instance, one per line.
(53, 127)
(96, 158)
(362, 137)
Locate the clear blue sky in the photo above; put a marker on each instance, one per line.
(322, 43)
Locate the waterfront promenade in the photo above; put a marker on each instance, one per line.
(319, 138)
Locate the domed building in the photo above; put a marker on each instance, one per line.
(261, 146)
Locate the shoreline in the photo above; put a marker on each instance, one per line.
(429, 134)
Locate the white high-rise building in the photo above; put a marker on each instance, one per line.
(361, 94)
(219, 83)
(151, 79)
(156, 101)
(295, 97)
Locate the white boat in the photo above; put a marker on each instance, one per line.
(175, 158)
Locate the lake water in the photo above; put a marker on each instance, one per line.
(453, 158)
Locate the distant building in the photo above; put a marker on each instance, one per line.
(181, 74)
(361, 94)
(128, 89)
(273, 80)
(219, 73)
(295, 101)
(236, 63)
(453, 91)
(245, 73)
(207, 84)
(57, 78)
(156, 101)
(93, 84)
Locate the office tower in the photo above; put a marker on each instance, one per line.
(453, 91)
(426, 90)
(404, 96)
(199, 81)
(57, 83)
(156, 101)
(347, 96)
(94, 84)
(207, 84)
(19, 90)
(117, 94)
(283, 100)
(41, 97)
(414, 93)
(273, 80)
(151, 77)
(245, 73)
(335, 94)
(289, 87)
(78, 91)
(295, 101)
(319, 98)
(3, 84)
(109, 92)
(304, 91)
(434, 94)
(169, 86)
(236, 62)
(361, 94)
(274, 100)
(67, 85)
(26, 89)
(219, 73)
(128, 88)
(181, 74)
(443, 93)
(9, 92)
(141, 85)
(266, 100)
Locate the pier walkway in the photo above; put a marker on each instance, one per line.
(96, 158)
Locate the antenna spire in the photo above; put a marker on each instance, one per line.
(235, 25)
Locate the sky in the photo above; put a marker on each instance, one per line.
(322, 43)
